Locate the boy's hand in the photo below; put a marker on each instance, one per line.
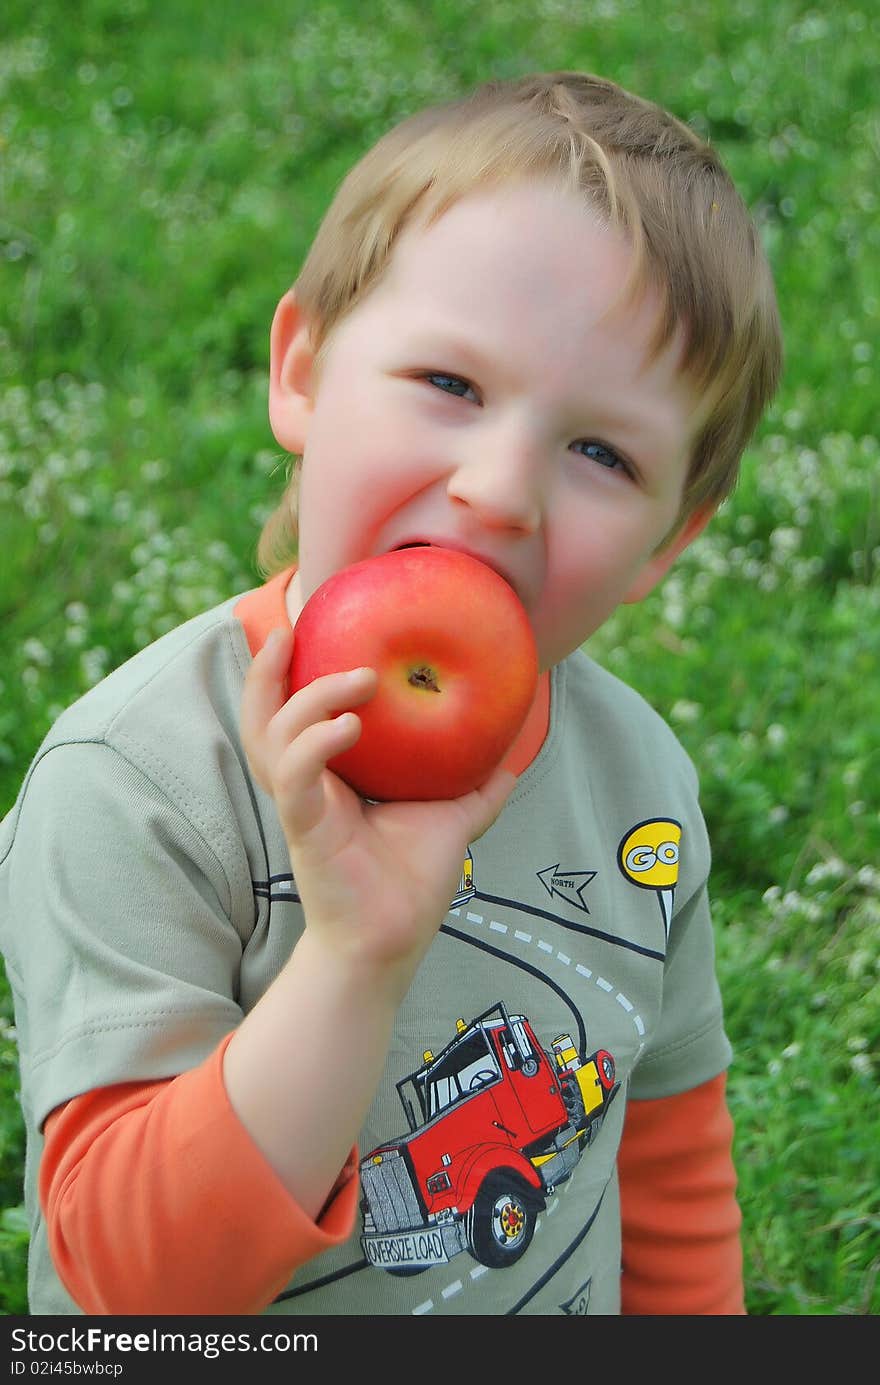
(375, 879)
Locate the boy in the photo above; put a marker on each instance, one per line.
(536, 326)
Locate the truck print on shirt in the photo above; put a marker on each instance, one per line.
(496, 1123)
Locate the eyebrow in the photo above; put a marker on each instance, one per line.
(436, 342)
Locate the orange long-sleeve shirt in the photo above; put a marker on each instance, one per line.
(150, 1190)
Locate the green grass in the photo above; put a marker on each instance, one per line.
(162, 168)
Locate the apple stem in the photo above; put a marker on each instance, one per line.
(424, 677)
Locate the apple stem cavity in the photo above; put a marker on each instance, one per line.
(424, 677)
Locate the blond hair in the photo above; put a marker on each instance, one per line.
(642, 170)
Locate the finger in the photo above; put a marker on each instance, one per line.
(299, 783)
(265, 686)
(321, 699)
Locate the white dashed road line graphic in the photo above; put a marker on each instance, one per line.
(549, 950)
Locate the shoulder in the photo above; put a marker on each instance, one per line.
(618, 751)
(620, 722)
(199, 662)
(168, 715)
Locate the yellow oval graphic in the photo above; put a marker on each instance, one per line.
(648, 855)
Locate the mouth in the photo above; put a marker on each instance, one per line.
(460, 548)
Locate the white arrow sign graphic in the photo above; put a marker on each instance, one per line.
(567, 884)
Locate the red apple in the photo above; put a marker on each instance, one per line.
(457, 667)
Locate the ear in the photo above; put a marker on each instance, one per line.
(659, 564)
(291, 361)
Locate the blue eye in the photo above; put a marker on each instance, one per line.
(450, 384)
(605, 456)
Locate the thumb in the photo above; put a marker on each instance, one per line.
(484, 804)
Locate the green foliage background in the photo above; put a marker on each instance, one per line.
(162, 168)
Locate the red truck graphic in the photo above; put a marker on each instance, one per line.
(495, 1124)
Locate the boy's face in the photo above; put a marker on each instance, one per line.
(479, 398)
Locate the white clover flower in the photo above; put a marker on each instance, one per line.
(267, 462)
(778, 815)
(685, 711)
(56, 465)
(94, 664)
(832, 869)
(785, 541)
(37, 653)
(858, 963)
(259, 513)
(81, 460)
(862, 1064)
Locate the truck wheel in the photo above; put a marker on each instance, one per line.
(605, 1068)
(501, 1222)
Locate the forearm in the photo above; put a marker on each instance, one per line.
(375, 881)
(681, 1221)
(302, 1069)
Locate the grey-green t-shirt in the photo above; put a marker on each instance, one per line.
(146, 902)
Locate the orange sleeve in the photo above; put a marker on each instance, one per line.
(681, 1222)
(157, 1201)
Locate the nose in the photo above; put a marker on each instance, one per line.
(501, 481)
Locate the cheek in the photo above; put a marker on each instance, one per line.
(580, 595)
(360, 466)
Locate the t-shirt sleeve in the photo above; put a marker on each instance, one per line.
(688, 1045)
(125, 929)
(157, 1201)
